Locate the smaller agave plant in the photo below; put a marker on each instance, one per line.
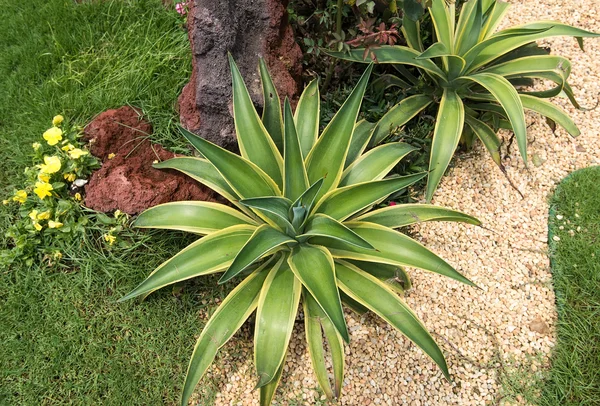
(475, 78)
(300, 231)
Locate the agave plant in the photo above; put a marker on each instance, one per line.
(474, 76)
(300, 229)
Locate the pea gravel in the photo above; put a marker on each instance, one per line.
(511, 318)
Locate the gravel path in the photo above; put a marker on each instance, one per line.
(512, 317)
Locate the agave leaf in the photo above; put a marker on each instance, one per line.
(448, 127)
(275, 208)
(308, 198)
(436, 50)
(393, 54)
(380, 299)
(244, 177)
(256, 145)
(403, 215)
(295, 180)
(550, 111)
(306, 117)
(360, 139)
(492, 18)
(488, 137)
(530, 65)
(509, 99)
(267, 392)
(512, 38)
(411, 31)
(264, 240)
(327, 157)
(394, 248)
(394, 276)
(399, 115)
(469, 26)
(353, 304)
(375, 164)
(223, 324)
(277, 309)
(208, 255)
(316, 322)
(193, 217)
(324, 226)
(443, 24)
(204, 172)
(344, 202)
(313, 265)
(271, 116)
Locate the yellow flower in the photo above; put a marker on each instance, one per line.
(53, 135)
(111, 155)
(54, 224)
(33, 214)
(43, 177)
(118, 213)
(57, 255)
(42, 189)
(20, 196)
(36, 146)
(77, 196)
(37, 226)
(77, 153)
(57, 120)
(110, 239)
(68, 147)
(51, 164)
(5, 202)
(70, 177)
(43, 216)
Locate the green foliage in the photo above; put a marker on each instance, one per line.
(49, 216)
(476, 78)
(303, 231)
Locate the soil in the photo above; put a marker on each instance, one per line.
(127, 180)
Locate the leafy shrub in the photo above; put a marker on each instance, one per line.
(301, 230)
(48, 209)
(476, 76)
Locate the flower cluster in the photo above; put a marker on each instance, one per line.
(48, 205)
(182, 8)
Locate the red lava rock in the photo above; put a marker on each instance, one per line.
(128, 182)
(247, 30)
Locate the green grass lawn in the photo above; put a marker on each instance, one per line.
(574, 378)
(64, 339)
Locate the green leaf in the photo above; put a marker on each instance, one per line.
(306, 117)
(394, 276)
(327, 157)
(275, 208)
(403, 215)
(509, 99)
(324, 226)
(530, 65)
(411, 31)
(436, 50)
(256, 145)
(308, 198)
(443, 23)
(399, 115)
(380, 299)
(550, 111)
(469, 26)
(488, 137)
(493, 16)
(277, 308)
(223, 324)
(192, 216)
(263, 241)
(203, 171)
(394, 248)
(244, 177)
(267, 392)
(448, 127)
(316, 322)
(295, 180)
(206, 256)
(353, 304)
(375, 164)
(344, 202)
(271, 115)
(360, 139)
(394, 54)
(313, 265)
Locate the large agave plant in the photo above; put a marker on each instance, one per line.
(474, 74)
(301, 231)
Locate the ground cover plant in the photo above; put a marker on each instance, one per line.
(302, 230)
(474, 76)
(64, 338)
